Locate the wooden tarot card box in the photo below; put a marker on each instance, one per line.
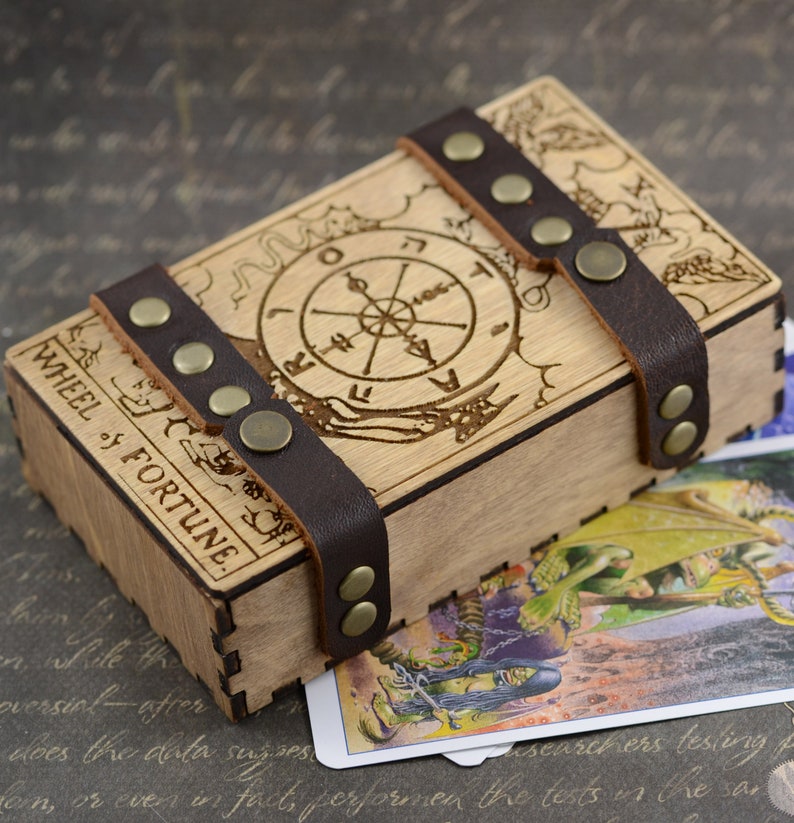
(452, 356)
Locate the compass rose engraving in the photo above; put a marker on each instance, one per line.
(402, 318)
(388, 332)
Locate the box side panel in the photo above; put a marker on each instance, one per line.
(117, 539)
(495, 514)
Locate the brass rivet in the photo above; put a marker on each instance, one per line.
(149, 312)
(359, 619)
(600, 261)
(552, 231)
(676, 402)
(265, 431)
(227, 400)
(193, 358)
(679, 438)
(357, 583)
(463, 146)
(510, 189)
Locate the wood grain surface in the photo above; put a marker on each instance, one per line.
(423, 353)
(145, 131)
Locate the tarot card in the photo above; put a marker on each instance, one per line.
(676, 604)
(475, 757)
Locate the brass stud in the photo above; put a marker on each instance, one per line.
(679, 438)
(149, 312)
(600, 261)
(193, 358)
(359, 618)
(463, 146)
(227, 400)
(552, 231)
(265, 431)
(357, 583)
(676, 402)
(510, 189)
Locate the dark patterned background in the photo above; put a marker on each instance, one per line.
(133, 132)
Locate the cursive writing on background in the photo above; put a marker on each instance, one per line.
(141, 132)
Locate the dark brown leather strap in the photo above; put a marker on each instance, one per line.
(659, 339)
(332, 509)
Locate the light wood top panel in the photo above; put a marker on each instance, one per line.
(405, 335)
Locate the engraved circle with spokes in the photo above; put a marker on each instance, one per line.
(387, 318)
(422, 318)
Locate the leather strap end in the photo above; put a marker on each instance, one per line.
(331, 508)
(660, 340)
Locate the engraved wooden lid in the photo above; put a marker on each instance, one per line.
(397, 326)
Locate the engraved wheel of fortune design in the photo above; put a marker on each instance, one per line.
(388, 321)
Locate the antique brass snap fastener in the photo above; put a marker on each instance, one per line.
(679, 438)
(552, 231)
(463, 146)
(227, 400)
(510, 189)
(600, 261)
(149, 312)
(193, 358)
(357, 583)
(265, 431)
(676, 402)
(359, 619)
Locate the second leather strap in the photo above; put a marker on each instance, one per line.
(538, 222)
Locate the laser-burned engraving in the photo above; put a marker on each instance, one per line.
(474, 395)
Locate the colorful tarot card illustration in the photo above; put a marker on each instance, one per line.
(678, 603)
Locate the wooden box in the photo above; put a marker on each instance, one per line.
(471, 390)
